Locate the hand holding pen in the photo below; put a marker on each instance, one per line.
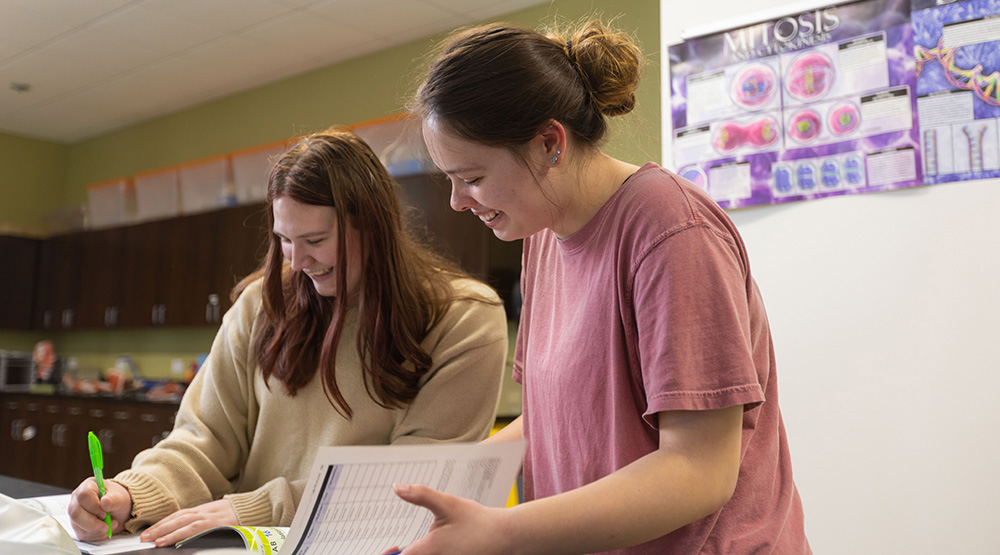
(91, 512)
(97, 461)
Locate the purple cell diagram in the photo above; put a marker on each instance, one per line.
(809, 105)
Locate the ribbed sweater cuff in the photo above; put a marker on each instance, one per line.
(253, 508)
(149, 502)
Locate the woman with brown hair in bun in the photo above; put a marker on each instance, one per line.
(651, 414)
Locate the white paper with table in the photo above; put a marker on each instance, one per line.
(349, 507)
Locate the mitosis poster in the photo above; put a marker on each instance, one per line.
(808, 105)
(957, 53)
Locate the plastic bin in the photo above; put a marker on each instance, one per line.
(398, 143)
(157, 194)
(251, 170)
(110, 203)
(206, 185)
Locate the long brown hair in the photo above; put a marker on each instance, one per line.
(499, 84)
(405, 287)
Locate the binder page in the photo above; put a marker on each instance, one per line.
(349, 506)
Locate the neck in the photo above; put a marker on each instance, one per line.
(589, 184)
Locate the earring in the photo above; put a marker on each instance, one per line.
(555, 158)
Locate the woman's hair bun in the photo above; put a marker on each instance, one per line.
(610, 64)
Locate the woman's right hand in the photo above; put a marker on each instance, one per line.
(87, 510)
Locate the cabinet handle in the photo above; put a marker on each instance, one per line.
(212, 309)
(59, 435)
(158, 438)
(159, 314)
(121, 415)
(107, 438)
(114, 316)
(146, 417)
(20, 432)
(32, 407)
(73, 411)
(97, 413)
(47, 320)
(67, 318)
(107, 316)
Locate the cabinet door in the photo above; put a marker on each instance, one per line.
(17, 281)
(21, 438)
(458, 235)
(101, 278)
(59, 282)
(242, 247)
(141, 273)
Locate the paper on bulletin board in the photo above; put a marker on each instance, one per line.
(957, 51)
(803, 106)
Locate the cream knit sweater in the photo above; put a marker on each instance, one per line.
(237, 439)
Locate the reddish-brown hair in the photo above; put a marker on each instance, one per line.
(405, 287)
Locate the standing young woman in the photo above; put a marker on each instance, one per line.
(650, 397)
(350, 334)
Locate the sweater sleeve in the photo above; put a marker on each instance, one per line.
(202, 457)
(458, 398)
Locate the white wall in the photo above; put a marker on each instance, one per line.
(885, 312)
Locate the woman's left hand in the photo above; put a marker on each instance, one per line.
(187, 522)
(460, 525)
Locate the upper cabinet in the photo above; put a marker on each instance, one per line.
(166, 273)
(17, 280)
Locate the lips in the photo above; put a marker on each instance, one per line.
(488, 217)
(318, 273)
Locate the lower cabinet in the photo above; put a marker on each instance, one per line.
(45, 437)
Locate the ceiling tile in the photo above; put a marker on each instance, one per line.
(26, 30)
(155, 30)
(69, 13)
(106, 53)
(381, 18)
(224, 16)
(48, 75)
(305, 35)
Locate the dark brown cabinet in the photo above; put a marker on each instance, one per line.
(460, 235)
(44, 438)
(167, 273)
(17, 280)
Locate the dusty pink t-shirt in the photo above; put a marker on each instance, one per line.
(651, 307)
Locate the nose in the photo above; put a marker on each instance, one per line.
(460, 200)
(298, 256)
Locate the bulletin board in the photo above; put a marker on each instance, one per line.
(839, 99)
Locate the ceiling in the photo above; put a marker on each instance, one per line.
(93, 66)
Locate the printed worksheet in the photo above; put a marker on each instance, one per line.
(349, 506)
(58, 507)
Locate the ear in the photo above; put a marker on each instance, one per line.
(553, 142)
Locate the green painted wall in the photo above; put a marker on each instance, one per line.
(32, 178)
(359, 90)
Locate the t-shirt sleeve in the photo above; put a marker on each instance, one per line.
(693, 324)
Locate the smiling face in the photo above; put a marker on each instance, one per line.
(492, 183)
(308, 235)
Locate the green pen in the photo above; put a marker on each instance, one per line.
(97, 459)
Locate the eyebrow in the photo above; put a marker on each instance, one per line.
(462, 170)
(304, 235)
